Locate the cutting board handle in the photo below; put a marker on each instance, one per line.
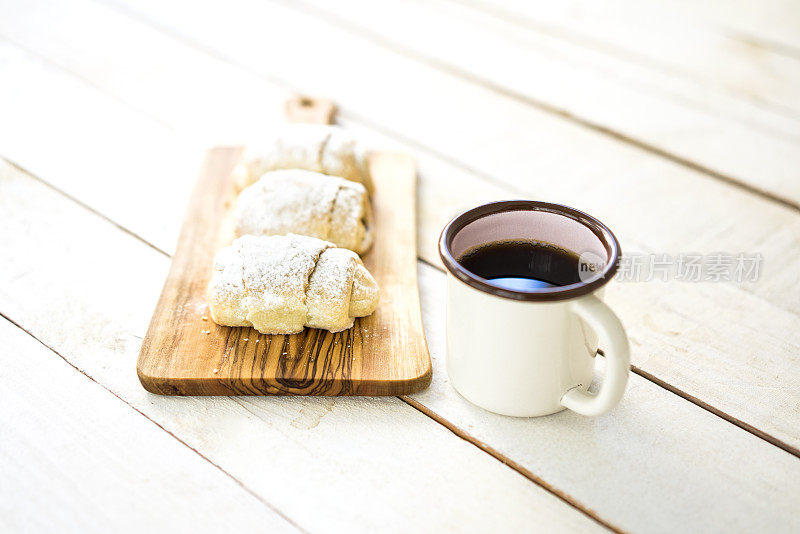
(301, 108)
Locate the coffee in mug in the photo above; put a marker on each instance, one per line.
(523, 264)
(525, 283)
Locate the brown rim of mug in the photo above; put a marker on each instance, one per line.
(599, 229)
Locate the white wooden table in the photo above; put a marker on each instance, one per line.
(677, 124)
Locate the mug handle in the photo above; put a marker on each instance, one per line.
(610, 330)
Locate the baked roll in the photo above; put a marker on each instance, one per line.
(306, 203)
(279, 284)
(313, 147)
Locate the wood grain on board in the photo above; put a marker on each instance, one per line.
(186, 353)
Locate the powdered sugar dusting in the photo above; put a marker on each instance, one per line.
(306, 203)
(351, 218)
(278, 284)
(329, 290)
(314, 147)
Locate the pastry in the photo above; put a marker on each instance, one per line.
(306, 203)
(279, 284)
(313, 147)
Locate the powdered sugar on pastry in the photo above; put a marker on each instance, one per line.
(314, 147)
(279, 284)
(329, 290)
(307, 203)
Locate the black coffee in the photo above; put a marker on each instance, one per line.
(522, 265)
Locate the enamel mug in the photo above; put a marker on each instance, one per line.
(531, 353)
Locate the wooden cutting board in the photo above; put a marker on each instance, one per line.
(383, 354)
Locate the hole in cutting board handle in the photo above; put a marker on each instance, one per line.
(301, 108)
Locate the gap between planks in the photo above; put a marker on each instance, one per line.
(719, 413)
(179, 440)
(443, 66)
(508, 462)
(84, 206)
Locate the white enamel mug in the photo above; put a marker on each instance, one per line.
(531, 353)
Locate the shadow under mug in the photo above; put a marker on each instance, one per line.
(530, 353)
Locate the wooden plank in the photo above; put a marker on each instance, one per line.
(85, 169)
(185, 353)
(76, 458)
(734, 150)
(699, 42)
(772, 24)
(750, 348)
(86, 288)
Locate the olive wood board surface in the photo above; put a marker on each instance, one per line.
(186, 353)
